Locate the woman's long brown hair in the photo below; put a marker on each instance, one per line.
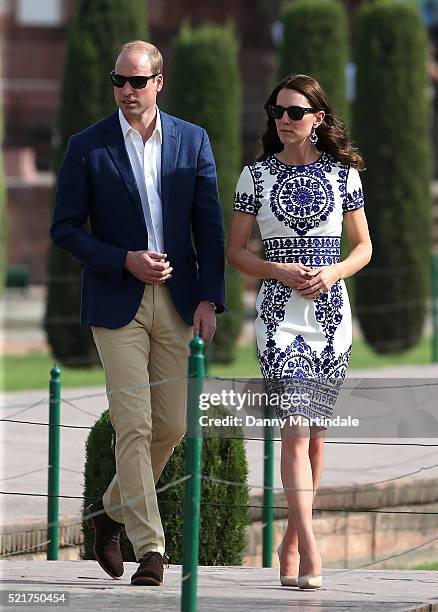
(332, 132)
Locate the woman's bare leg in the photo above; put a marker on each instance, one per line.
(290, 557)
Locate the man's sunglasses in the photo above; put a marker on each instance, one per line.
(137, 82)
(296, 113)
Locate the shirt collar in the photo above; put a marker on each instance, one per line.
(158, 129)
(126, 126)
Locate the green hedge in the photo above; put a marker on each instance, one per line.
(97, 31)
(205, 90)
(391, 122)
(315, 42)
(222, 528)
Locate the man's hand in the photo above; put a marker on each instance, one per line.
(204, 321)
(149, 266)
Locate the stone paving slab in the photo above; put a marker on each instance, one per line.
(235, 589)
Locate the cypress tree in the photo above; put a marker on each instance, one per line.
(315, 42)
(224, 508)
(391, 122)
(205, 90)
(97, 31)
(3, 215)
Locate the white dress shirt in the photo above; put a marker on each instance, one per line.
(145, 161)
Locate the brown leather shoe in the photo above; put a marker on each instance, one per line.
(106, 546)
(150, 570)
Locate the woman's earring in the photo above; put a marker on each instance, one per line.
(313, 138)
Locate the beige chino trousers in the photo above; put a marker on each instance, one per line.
(149, 421)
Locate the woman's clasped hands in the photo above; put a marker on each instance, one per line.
(308, 282)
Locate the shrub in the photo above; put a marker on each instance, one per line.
(222, 528)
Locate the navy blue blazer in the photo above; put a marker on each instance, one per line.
(96, 183)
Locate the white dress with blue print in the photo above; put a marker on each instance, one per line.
(299, 210)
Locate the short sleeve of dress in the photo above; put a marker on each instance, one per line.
(244, 196)
(354, 193)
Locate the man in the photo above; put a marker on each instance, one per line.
(153, 276)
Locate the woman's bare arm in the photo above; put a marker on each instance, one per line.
(242, 259)
(361, 248)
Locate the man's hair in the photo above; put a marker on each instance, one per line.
(155, 57)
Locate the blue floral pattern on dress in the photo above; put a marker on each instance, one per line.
(307, 250)
(272, 306)
(353, 193)
(329, 310)
(302, 196)
(320, 375)
(299, 360)
(354, 200)
(245, 202)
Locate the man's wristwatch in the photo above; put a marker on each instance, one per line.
(211, 303)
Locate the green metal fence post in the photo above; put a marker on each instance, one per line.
(192, 489)
(435, 307)
(268, 492)
(208, 358)
(53, 486)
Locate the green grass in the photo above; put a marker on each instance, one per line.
(31, 371)
(426, 566)
(363, 357)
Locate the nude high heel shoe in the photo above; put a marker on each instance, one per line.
(310, 582)
(286, 580)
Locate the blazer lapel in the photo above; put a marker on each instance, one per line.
(115, 144)
(169, 155)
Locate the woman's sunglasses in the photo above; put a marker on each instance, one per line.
(296, 113)
(137, 82)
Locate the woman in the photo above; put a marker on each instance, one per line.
(302, 187)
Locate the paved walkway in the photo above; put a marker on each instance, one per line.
(230, 589)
